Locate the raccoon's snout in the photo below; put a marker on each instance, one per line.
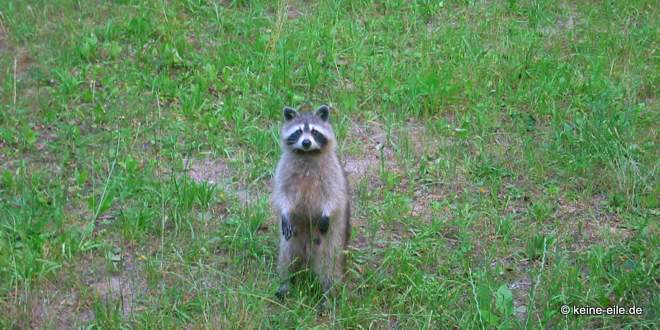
(306, 143)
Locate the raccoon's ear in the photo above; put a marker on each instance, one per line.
(323, 112)
(289, 113)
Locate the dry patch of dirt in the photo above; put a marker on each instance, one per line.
(421, 141)
(426, 144)
(248, 196)
(48, 307)
(374, 150)
(347, 84)
(422, 204)
(20, 57)
(69, 303)
(292, 12)
(123, 287)
(520, 290)
(23, 62)
(360, 167)
(212, 171)
(216, 171)
(46, 135)
(564, 24)
(598, 223)
(359, 241)
(115, 288)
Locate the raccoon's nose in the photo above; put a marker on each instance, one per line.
(306, 143)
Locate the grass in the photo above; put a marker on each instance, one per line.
(503, 159)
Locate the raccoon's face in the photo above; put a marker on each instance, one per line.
(307, 132)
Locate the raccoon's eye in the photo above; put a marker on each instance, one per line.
(314, 131)
(299, 131)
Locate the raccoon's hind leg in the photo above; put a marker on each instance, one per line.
(328, 266)
(288, 262)
(291, 255)
(328, 261)
(284, 262)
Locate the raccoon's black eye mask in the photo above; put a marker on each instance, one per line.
(320, 138)
(293, 138)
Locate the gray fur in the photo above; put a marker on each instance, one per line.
(310, 187)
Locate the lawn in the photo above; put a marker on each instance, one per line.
(503, 159)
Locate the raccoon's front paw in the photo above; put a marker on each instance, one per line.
(287, 228)
(324, 224)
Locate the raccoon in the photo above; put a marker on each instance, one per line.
(311, 200)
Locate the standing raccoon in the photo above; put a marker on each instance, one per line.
(311, 198)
